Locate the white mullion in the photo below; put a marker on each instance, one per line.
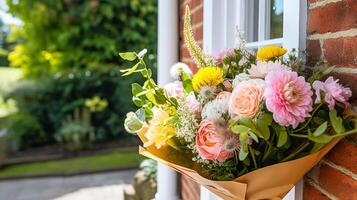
(262, 20)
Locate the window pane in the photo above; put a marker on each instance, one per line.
(276, 19)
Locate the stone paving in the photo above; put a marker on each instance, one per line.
(101, 185)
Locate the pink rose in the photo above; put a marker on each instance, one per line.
(174, 89)
(246, 98)
(211, 144)
(333, 92)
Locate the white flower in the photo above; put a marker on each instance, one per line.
(214, 110)
(262, 68)
(240, 78)
(193, 104)
(176, 69)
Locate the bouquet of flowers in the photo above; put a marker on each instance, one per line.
(246, 125)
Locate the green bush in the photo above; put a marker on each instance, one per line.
(75, 135)
(59, 35)
(23, 131)
(53, 98)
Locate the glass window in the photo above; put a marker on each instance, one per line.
(276, 19)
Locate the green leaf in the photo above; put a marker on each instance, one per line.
(282, 137)
(128, 56)
(160, 96)
(151, 97)
(263, 128)
(136, 89)
(328, 71)
(267, 118)
(337, 122)
(132, 70)
(138, 102)
(240, 129)
(242, 154)
(186, 82)
(320, 130)
(253, 136)
(324, 138)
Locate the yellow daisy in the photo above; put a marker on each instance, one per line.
(207, 76)
(269, 52)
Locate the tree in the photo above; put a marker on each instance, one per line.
(58, 35)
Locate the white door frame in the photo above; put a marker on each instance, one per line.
(167, 56)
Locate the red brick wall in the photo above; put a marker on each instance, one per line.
(332, 35)
(189, 189)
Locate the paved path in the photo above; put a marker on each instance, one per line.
(60, 187)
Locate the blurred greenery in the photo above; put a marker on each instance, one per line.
(59, 35)
(68, 53)
(53, 99)
(113, 160)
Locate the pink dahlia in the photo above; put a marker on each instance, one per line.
(333, 92)
(288, 97)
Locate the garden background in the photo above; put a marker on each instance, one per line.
(61, 92)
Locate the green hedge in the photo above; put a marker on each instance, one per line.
(52, 99)
(60, 35)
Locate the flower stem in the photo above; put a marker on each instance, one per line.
(309, 120)
(298, 150)
(346, 133)
(298, 135)
(253, 156)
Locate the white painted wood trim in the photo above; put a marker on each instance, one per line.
(167, 56)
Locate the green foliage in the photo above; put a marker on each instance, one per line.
(53, 98)
(59, 35)
(75, 135)
(149, 167)
(24, 131)
(148, 94)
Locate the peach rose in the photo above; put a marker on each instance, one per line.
(223, 95)
(210, 144)
(246, 98)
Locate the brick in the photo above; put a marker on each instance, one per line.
(311, 193)
(313, 51)
(333, 17)
(344, 154)
(191, 3)
(341, 51)
(197, 16)
(337, 183)
(190, 190)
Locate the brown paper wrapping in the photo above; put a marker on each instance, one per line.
(271, 182)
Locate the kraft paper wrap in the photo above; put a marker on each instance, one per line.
(271, 182)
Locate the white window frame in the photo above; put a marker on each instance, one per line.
(220, 21)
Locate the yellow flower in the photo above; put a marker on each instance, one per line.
(269, 52)
(207, 76)
(160, 130)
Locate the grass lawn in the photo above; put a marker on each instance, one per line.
(113, 160)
